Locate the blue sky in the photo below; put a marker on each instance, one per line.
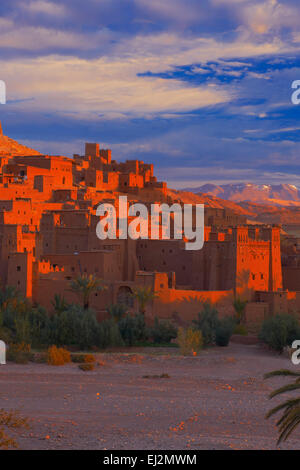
(201, 89)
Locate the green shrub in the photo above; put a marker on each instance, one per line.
(280, 331)
(6, 335)
(38, 321)
(207, 323)
(163, 331)
(214, 329)
(19, 353)
(224, 331)
(74, 326)
(133, 329)
(109, 334)
(240, 310)
(240, 330)
(117, 311)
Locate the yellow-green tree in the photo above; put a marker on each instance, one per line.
(84, 286)
(239, 306)
(143, 295)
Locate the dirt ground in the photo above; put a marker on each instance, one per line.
(214, 401)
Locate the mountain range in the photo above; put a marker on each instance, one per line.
(278, 195)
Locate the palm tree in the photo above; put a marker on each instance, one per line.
(59, 304)
(144, 295)
(117, 311)
(290, 408)
(9, 295)
(240, 308)
(84, 286)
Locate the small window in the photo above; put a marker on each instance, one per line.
(18, 268)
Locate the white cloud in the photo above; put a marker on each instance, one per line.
(42, 6)
(112, 85)
(73, 85)
(272, 131)
(32, 38)
(261, 16)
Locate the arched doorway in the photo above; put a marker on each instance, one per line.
(125, 297)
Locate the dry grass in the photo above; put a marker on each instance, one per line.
(58, 356)
(10, 420)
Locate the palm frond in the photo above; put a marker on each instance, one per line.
(287, 404)
(285, 388)
(288, 425)
(281, 372)
(290, 408)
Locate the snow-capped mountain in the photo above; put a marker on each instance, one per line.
(281, 194)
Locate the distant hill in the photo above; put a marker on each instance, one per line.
(10, 147)
(278, 195)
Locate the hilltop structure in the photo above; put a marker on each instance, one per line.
(48, 236)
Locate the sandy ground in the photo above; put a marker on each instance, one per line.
(214, 401)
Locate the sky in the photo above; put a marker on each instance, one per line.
(200, 88)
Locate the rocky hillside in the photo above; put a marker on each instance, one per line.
(10, 147)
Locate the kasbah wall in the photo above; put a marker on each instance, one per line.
(48, 237)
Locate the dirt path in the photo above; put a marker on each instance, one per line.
(215, 401)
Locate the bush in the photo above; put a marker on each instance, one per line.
(40, 358)
(240, 309)
(74, 326)
(109, 334)
(117, 311)
(240, 330)
(87, 367)
(19, 353)
(25, 323)
(89, 359)
(190, 341)
(163, 331)
(214, 329)
(58, 356)
(224, 331)
(133, 329)
(6, 335)
(77, 358)
(207, 323)
(280, 331)
(38, 321)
